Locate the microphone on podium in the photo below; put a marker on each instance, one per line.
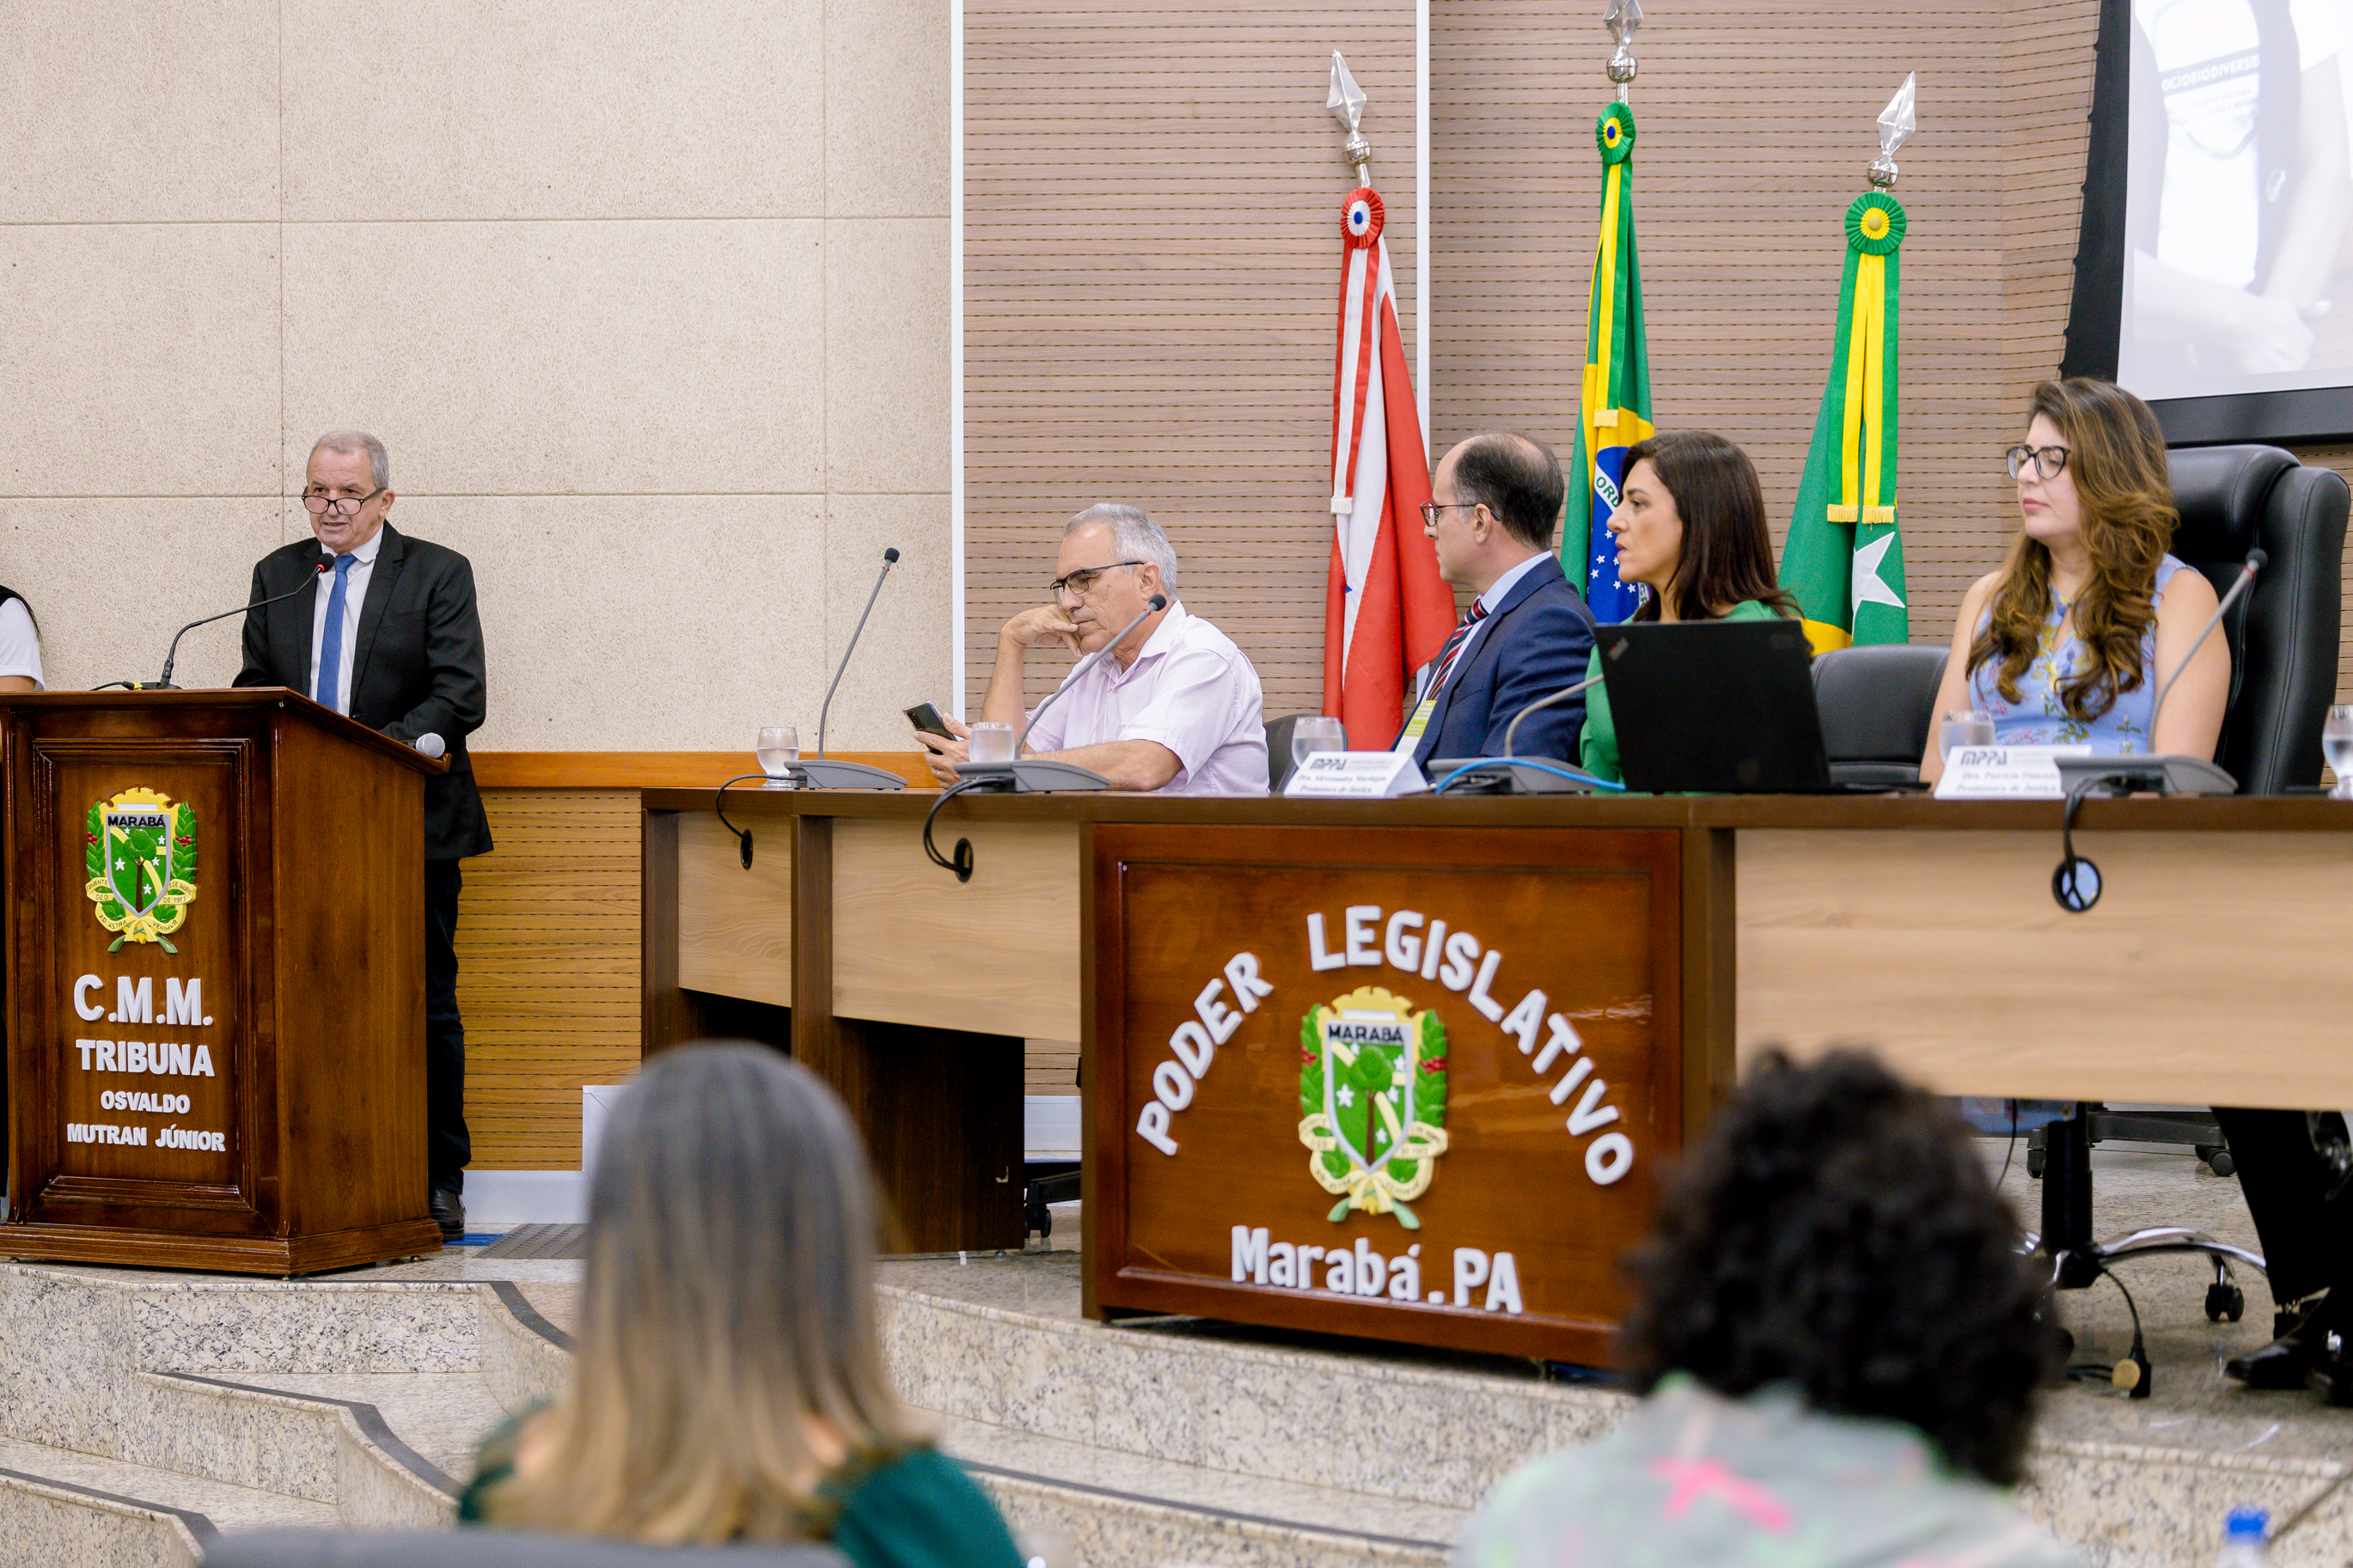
(1039, 775)
(820, 771)
(164, 683)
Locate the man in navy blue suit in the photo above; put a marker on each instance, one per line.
(1496, 501)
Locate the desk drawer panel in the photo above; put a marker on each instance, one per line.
(996, 955)
(735, 926)
(2213, 968)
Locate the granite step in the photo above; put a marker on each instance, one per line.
(1122, 1510)
(65, 1509)
(999, 1343)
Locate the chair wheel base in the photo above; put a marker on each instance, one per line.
(2224, 1300)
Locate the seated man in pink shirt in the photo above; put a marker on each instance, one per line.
(1176, 706)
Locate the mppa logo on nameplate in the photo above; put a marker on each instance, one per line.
(1401, 1101)
(1357, 775)
(2005, 773)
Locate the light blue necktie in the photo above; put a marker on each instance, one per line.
(331, 647)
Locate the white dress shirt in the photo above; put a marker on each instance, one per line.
(20, 645)
(1497, 592)
(1190, 688)
(355, 588)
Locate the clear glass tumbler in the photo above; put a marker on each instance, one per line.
(779, 749)
(2336, 745)
(1965, 727)
(992, 741)
(1317, 733)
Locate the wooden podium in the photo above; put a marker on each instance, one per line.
(216, 983)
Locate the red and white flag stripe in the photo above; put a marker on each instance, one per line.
(1387, 612)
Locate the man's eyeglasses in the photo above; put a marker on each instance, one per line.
(1082, 581)
(319, 503)
(1430, 509)
(2048, 462)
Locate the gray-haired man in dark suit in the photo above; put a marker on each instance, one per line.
(392, 639)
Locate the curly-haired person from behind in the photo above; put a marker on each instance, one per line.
(729, 1382)
(1837, 1344)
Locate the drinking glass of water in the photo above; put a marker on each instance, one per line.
(1315, 733)
(779, 749)
(991, 741)
(1965, 727)
(2336, 743)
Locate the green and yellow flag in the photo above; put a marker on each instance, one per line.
(1844, 557)
(1615, 406)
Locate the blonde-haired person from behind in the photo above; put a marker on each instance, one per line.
(729, 1382)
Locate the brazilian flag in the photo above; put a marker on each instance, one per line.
(1844, 557)
(1615, 407)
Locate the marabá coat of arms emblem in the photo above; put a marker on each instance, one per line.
(1372, 1100)
(142, 865)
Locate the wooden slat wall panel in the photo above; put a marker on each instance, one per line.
(1151, 254)
(548, 969)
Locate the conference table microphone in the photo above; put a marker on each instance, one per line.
(2075, 884)
(822, 772)
(1510, 774)
(1039, 775)
(164, 681)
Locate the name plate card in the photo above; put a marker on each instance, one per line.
(1357, 775)
(2005, 773)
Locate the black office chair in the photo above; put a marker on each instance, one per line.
(1878, 706)
(2282, 636)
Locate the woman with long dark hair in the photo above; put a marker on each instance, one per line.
(1838, 1346)
(729, 1384)
(2070, 641)
(1690, 528)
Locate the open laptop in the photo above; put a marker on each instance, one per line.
(1719, 706)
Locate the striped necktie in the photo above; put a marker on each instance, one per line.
(1453, 648)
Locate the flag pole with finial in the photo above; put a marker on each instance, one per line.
(1614, 399)
(1844, 556)
(1387, 611)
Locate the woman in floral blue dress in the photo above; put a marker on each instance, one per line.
(2071, 641)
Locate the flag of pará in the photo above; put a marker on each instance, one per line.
(1387, 612)
(1614, 410)
(1844, 558)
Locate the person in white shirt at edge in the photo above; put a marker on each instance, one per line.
(1177, 707)
(20, 645)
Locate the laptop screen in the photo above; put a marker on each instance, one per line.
(1718, 707)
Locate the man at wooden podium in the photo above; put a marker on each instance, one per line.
(392, 639)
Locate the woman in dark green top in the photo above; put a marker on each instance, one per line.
(729, 1385)
(1690, 528)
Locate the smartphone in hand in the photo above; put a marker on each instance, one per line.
(926, 716)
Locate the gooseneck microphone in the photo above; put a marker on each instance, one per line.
(164, 681)
(890, 559)
(2256, 560)
(1157, 602)
(1512, 732)
(818, 772)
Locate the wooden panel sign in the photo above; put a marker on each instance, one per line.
(148, 981)
(1408, 1085)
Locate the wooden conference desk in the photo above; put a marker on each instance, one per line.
(2217, 967)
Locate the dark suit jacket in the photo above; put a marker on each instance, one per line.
(417, 670)
(1537, 641)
